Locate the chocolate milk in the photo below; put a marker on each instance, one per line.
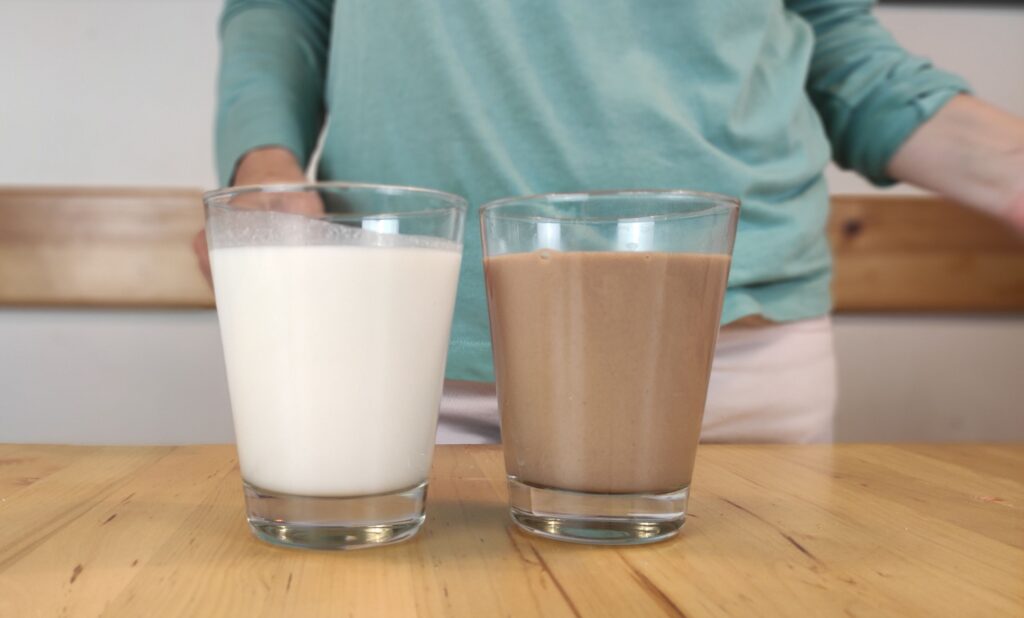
(602, 361)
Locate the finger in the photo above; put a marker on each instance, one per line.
(1016, 215)
(311, 204)
(306, 203)
(202, 255)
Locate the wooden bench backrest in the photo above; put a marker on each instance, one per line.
(131, 248)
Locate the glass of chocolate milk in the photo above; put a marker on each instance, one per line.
(604, 312)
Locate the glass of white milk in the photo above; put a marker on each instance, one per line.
(335, 304)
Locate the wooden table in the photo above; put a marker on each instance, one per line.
(774, 530)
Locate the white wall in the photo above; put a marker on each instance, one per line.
(120, 92)
(100, 376)
(930, 378)
(107, 92)
(157, 377)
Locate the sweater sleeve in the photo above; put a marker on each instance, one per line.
(871, 94)
(271, 85)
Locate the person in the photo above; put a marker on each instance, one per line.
(742, 97)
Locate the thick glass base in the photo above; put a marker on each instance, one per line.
(335, 523)
(598, 519)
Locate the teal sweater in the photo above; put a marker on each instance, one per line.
(492, 98)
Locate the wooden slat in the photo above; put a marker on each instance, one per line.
(100, 247)
(131, 248)
(848, 530)
(917, 254)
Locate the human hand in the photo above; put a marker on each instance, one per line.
(272, 165)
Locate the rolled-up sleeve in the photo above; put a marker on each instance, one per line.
(870, 93)
(271, 84)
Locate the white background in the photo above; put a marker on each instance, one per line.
(121, 92)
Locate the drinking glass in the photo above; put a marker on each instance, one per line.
(335, 303)
(604, 311)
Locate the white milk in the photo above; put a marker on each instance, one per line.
(335, 360)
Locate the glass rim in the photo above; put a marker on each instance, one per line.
(719, 202)
(452, 201)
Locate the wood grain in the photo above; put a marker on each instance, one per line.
(908, 253)
(131, 248)
(858, 530)
(100, 247)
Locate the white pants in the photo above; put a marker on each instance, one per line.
(769, 383)
(772, 383)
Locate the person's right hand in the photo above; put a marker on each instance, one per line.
(271, 165)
